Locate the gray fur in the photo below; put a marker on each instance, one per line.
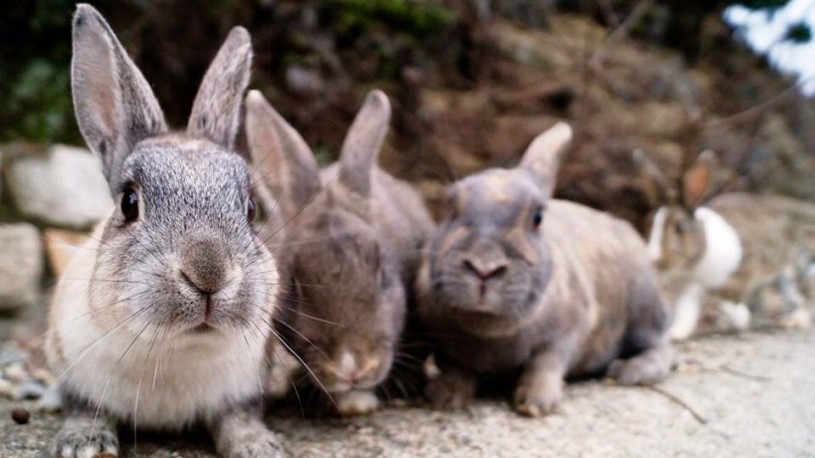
(114, 106)
(348, 250)
(217, 107)
(190, 266)
(505, 297)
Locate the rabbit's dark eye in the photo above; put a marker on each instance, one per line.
(130, 204)
(251, 210)
(537, 218)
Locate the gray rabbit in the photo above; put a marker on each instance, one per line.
(352, 242)
(515, 283)
(155, 322)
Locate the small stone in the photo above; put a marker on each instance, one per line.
(6, 389)
(42, 375)
(20, 266)
(31, 390)
(15, 372)
(304, 81)
(20, 415)
(50, 402)
(11, 354)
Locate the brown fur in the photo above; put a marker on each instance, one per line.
(351, 244)
(569, 298)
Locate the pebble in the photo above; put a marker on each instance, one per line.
(10, 355)
(30, 390)
(50, 401)
(43, 375)
(6, 389)
(20, 415)
(15, 372)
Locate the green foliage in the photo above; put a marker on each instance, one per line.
(389, 28)
(39, 104)
(416, 18)
(798, 33)
(762, 4)
(35, 54)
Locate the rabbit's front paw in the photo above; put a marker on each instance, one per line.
(539, 396)
(85, 438)
(356, 402)
(638, 371)
(450, 391)
(260, 445)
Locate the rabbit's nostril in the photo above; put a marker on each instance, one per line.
(201, 283)
(486, 270)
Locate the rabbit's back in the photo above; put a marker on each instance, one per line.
(600, 265)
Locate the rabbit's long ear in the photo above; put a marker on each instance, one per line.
(281, 158)
(363, 142)
(696, 181)
(114, 106)
(217, 107)
(542, 157)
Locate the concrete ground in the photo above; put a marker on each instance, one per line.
(751, 395)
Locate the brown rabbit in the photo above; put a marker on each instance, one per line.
(352, 242)
(515, 282)
(732, 261)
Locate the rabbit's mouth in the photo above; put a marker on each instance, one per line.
(204, 328)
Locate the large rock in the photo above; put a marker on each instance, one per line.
(63, 186)
(21, 265)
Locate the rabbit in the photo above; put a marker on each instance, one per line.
(352, 243)
(515, 283)
(154, 323)
(733, 261)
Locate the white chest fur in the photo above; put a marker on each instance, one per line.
(154, 380)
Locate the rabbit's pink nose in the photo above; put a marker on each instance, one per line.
(485, 270)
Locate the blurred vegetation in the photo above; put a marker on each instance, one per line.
(392, 34)
(471, 80)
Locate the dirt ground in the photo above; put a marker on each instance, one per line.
(751, 395)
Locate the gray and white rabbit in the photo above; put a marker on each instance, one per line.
(155, 323)
(352, 243)
(518, 285)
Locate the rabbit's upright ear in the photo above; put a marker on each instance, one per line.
(115, 108)
(696, 181)
(217, 107)
(363, 142)
(281, 158)
(542, 158)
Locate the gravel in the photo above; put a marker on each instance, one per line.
(751, 395)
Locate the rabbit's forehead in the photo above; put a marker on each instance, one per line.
(171, 169)
(497, 194)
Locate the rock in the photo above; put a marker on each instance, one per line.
(6, 389)
(15, 372)
(304, 81)
(51, 401)
(20, 266)
(63, 187)
(60, 245)
(30, 390)
(20, 415)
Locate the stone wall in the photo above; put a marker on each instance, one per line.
(49, 198)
